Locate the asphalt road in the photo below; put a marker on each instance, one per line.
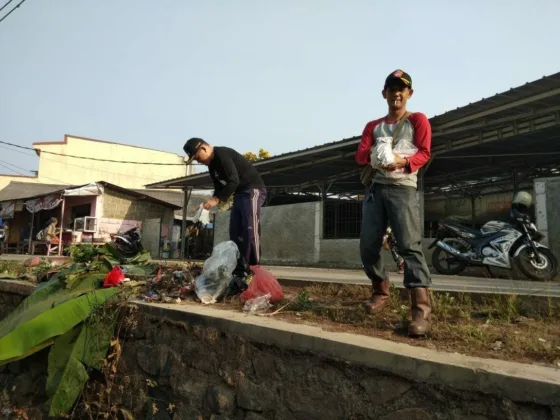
(439, 282)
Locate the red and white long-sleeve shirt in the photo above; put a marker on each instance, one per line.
(416, 131)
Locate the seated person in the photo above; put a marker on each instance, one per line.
(49, 233)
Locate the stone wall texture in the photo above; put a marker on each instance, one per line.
(174, 370)
(117, 205)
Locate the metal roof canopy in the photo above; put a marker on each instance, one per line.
(512, 130)
(26, 191)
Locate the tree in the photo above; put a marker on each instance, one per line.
(263, 154)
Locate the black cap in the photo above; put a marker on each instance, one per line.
(401, 76)
(191, 146)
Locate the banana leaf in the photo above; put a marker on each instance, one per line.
(49, 297)
(33, 350)
(67, 374)
(42, 323)
(138, 270)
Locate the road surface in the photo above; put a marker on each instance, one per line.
(440, 283)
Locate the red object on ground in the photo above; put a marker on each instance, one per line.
(263, 283)
(114, 277)
(158, 275)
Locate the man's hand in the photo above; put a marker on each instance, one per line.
(208, 204)
(398, 164)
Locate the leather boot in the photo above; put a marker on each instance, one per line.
(379, 296)
(421, 311)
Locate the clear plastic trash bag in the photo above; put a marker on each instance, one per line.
(257, 305)
(217, 272)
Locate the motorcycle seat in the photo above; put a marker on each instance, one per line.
(475, 232)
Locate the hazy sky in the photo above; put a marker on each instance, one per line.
(282, 75)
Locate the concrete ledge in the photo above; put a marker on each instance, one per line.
(516, 381)
(20, 287)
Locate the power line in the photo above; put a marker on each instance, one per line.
(27, 170)
(3, 7)
(82, 167)
(92, 158)
(11, 11)
(13, 170)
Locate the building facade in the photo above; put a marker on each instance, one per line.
(57, 167)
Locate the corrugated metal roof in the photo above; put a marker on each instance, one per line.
(16, 190)
(499, 113)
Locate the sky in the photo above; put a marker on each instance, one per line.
(281, 75)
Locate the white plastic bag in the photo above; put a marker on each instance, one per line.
(217, 272)
(382, 152)
(202, 216)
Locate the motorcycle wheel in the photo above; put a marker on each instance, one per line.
(454, 265)
(543, 269)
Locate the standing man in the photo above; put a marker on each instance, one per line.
(392, 199)
(232, 173)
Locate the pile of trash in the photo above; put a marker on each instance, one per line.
(212, 282)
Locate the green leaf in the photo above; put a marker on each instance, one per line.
(67, 373)
(138, 270)
(86, 344)
(46, 298)
(43, 323)
(33, 350)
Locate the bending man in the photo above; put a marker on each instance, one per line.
(232, 173)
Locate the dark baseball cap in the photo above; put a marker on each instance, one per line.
(401, 76)
(191, 147)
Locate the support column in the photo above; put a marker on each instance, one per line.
(61, 227)
(515, 179)
(31, 233)
(186, 197)
(473, 210)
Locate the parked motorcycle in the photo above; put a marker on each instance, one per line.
(496, 244)
(128, 243)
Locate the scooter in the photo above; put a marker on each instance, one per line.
(128, 243)
(496, 244)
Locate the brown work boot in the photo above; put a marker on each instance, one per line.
(379, 296)
(421, 311)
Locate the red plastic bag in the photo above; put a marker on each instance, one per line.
(114, 277)
(263, 282)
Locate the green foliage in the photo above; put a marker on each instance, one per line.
(64, 313)
(42, 323)
(82, 253)
(85, 345)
